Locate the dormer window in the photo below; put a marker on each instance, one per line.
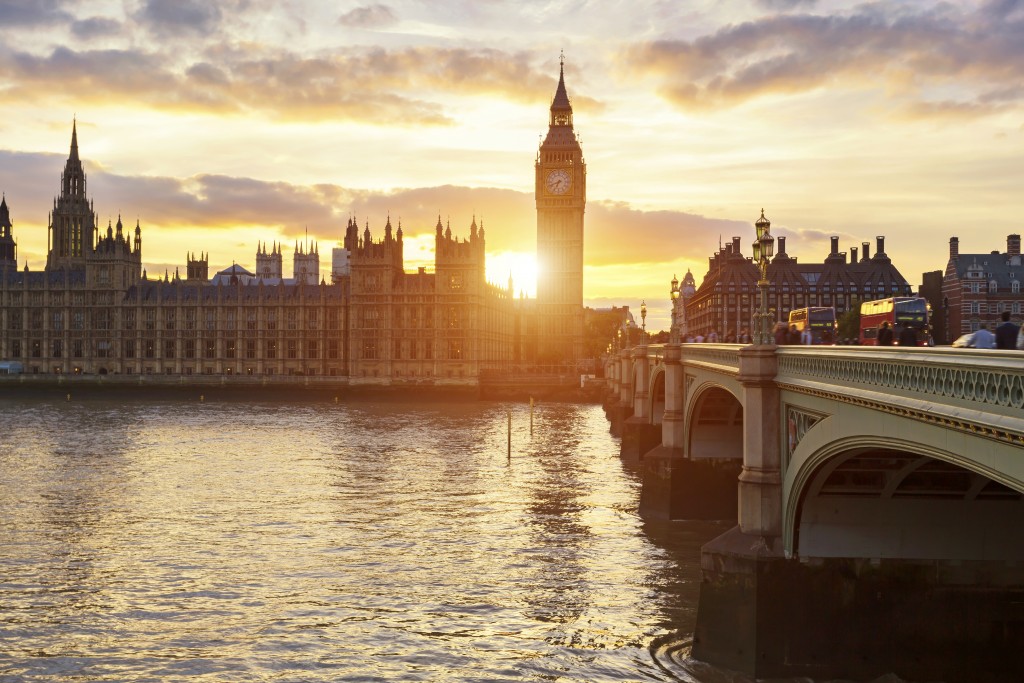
(1015, 286)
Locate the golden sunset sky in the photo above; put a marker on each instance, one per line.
(218, 125)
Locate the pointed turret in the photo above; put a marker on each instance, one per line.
(73, 222)
(8, 247)
(5, 217)
(74, 140)
(561, 108)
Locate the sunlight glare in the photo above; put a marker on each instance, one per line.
(521, 265)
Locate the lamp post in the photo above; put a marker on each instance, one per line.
(764, 248)
(673, 335)
(643, 322)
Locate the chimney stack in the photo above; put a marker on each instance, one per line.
(1013, 245)
(835, 245)
(782, 246)
(736, 245)
(853, 254)
(866, 248)
(880, 246)
(954, 247)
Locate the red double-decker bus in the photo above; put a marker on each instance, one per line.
(898, 311)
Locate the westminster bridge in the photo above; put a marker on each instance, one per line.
(879, 496)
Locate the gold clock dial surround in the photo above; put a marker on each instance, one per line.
(558, 181)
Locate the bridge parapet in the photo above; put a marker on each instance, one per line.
(723, 358)
(976, 391)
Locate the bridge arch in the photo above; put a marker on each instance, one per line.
(657, 395)
(879, 497)
(715, 423)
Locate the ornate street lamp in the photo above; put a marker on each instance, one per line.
(764, 248)
(643, 321)
(673, 336)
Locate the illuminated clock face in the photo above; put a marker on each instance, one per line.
(558, 181)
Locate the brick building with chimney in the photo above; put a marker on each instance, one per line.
(977, 288)
(727, 298)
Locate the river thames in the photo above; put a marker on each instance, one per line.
(145, 540)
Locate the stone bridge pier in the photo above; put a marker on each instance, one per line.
(640, 431)
(878, 496)
(619, 399)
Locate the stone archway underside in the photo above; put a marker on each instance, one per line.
(716, 428)
(881, 503)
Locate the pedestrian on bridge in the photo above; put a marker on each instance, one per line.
(1006, 333)
(781, 332)
(884, 334)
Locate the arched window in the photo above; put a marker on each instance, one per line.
(993, 286)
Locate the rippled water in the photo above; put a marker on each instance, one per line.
(173, 541)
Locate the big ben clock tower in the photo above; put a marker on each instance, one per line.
(561, 192)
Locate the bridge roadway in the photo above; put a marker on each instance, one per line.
(878, 494)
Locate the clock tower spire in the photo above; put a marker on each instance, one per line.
(561, 195)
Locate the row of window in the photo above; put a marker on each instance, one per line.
(978, 307)
(992, 288)
(189, 349)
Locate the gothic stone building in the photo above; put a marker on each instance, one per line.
(93, 310)
(728, 298)
(977, 288)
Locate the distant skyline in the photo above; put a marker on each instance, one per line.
(222, 125)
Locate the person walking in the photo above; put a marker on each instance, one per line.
(885, 334)
(1006, 333)
(806, 338)
(780, 333)
(793, 336)
(983, 339)
(908, 336)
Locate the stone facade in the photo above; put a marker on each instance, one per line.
(728, 298)
(977, 288)
(93, 310)
(561, 196)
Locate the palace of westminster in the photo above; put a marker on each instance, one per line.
(93, 310)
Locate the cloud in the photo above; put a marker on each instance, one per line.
(370, 16)
(94, 27)
(916, 55)
(618, 233)
(784, 5)
(370, 85)
(179, 17)
(215, 204)
(17, 13)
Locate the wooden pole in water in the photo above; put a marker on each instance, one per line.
(510, 436)
(531, 416)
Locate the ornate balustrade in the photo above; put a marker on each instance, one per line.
(970, 390)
